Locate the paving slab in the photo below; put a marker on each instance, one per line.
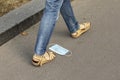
(96, 54)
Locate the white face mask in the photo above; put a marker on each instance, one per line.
(59, 49)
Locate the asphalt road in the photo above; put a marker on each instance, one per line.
(96, 54)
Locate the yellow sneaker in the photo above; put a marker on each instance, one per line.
(83, 28)
(40, 60)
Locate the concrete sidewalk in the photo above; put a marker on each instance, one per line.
(96, 54)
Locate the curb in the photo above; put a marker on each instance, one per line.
(20, 19)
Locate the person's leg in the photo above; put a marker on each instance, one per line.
(47, 25)
(74, 27)
(68, 16)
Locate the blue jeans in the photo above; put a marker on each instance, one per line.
(48, 21)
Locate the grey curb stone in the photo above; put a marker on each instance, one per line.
(20, 19)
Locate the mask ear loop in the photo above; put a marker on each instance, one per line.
(67, 55)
